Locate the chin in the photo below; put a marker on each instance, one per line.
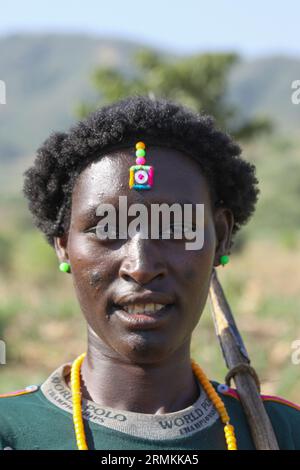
(143, 347)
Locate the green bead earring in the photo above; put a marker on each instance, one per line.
(65, 267)
(224, 259)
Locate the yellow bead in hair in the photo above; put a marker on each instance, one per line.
(140, 145)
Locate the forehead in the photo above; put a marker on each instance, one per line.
(177, 178)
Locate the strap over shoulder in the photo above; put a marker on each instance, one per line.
(232, 392)
(23, 391)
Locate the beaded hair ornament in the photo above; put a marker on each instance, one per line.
(140, 175)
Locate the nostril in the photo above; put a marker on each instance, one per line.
(142, 273)
(160, 276)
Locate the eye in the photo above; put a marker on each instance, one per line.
(105, 232)
(91, 230)
(177, 231)
(190, 228)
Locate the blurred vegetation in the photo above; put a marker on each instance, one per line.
(199, 81)
(49, 73)
(41, 322)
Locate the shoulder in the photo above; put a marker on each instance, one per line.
(22, 391)
(14, 411)
(284, 414)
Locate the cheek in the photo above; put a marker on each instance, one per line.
(92, 268)
(195, 269)
(198, 280)
(196, 288)
(86, 256)
(190, 275)
(196, 266)
(95, 278)
(195, 278)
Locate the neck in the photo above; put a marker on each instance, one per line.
(153, 388)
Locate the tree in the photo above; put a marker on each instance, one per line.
(199, 81)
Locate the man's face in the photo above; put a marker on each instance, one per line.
(108, 274)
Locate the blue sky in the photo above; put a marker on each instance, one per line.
(253, 28)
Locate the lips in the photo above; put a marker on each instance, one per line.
(147, 304)
(144, 319)
(143, 309)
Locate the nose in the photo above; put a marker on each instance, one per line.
(143, 262)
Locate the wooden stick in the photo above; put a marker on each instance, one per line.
(235, 354)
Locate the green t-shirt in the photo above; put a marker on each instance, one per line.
(41, 418)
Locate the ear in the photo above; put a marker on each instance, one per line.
(224, 222)
(61, 248)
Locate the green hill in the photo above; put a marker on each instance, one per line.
(47, 75)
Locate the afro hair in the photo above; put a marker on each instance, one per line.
(62, 157)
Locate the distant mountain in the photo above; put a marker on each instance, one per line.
(263, 86)
(47, 75)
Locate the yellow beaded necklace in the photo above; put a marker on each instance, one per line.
(212, 394)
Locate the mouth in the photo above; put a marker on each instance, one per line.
(143, 309)
(142, 315)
